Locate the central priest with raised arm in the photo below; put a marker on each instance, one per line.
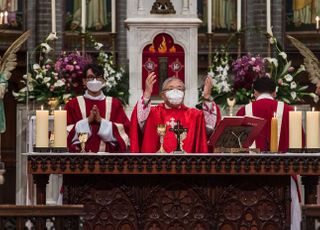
(173, 115)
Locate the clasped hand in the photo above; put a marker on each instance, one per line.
(94, 115)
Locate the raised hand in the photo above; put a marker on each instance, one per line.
(151, 79)
(207, 87)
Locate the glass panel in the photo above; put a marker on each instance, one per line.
(301, 14)
(224, 15)
(98, 15)
(11, 14)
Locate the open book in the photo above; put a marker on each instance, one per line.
(236, 132)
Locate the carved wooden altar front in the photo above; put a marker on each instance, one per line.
(194, 191)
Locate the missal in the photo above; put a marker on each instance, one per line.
(236, 132)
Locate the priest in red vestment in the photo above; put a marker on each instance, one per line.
(101, 117)
(266, 107)
(145, 119)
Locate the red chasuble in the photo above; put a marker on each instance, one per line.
(110, 109)
(148, 141)
(265, 108)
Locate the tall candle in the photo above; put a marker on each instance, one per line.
(209, 16)
(83, 15)
(42, 128)
(238, 15)
(313, 129)
(317, 22)
(1, 18)
(60, 128)
(269, 16)
(295, 129)
(5, 21)
(113, 16)
(53, 16)
(274, 135)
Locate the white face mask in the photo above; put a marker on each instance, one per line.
(175, 96)
(94, 85)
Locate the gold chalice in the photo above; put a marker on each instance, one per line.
(231, 101)
(83, 138)
(161, 130)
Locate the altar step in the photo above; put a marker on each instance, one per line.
(41, 217)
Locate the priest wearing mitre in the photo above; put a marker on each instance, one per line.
(265, 106)
(145, 119)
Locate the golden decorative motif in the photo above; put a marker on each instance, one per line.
(163, 46)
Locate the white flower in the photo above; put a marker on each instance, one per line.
(220, 69)
(272, 40)
(275, 62)
(293, 95)
(211, 74)
(283, 55)
(293, 85)
(36, 67)
(253, 59)
(52, 37)
(302, 68)
(45, 47)
(59, 83)
(46, 79)
(39, 76)
(288, 77)
(48, 84)
(315, 97)
(98, 45)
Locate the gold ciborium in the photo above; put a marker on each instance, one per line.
(161, 130)
(83, 138)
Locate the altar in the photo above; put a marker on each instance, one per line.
(185, 191)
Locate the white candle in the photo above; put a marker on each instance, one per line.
(113, 16)
(295, 129)
(269, 16)
(313, 129)
(317, 22)
(209, 16)
(60, 128)
(5, 17)
(83, 15)
(1, 18)
(53, 16)
(238, 15)
(42, 128)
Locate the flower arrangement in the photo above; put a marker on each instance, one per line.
(237, 81)
(116, 80)
(70, 69)
(62, 78)
(246, 69)
(284, 74)
(219, 71)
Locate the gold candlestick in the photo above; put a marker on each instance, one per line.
(161, 130)
(83, 138)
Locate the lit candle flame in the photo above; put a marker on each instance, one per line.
(60, 107)
(295, 108)
(41, 107)
(312, 109)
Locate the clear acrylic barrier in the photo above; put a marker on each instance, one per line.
(132, 81)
